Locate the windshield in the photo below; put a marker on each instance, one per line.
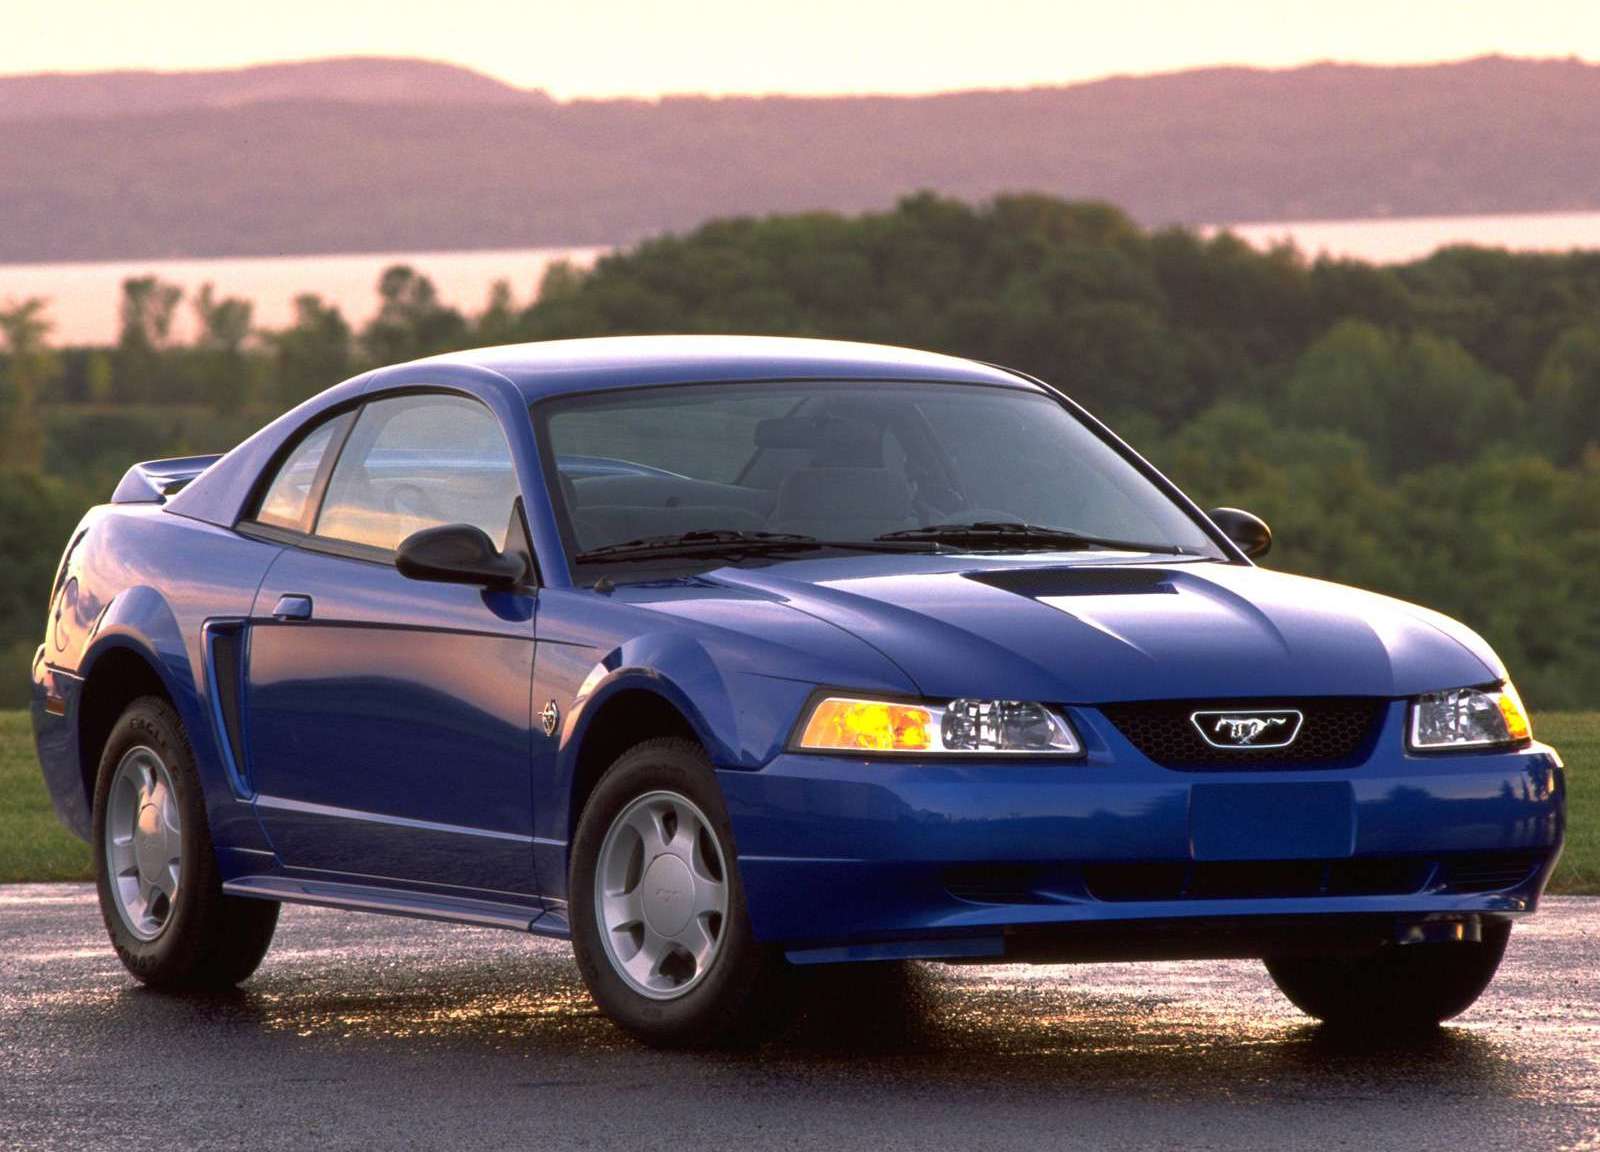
(971, 466)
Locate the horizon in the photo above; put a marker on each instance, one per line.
(840, 48)
(1268, 69)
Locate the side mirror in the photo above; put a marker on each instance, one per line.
(1250, 533)
(458, 554)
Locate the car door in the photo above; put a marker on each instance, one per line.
(388, 725)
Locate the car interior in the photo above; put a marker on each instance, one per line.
(832, 468)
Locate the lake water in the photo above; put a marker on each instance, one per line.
(84, 297)
(1400, 238)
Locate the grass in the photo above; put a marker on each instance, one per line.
(33, 846)
(1576, 735)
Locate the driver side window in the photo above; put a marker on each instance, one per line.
(415, 462)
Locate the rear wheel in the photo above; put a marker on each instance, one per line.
(1397, 988)
(160, 891)
(658, 916)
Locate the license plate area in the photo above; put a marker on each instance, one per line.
(1272, 821)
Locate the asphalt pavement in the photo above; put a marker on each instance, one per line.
(367, 1032)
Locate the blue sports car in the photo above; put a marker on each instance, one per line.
(723, 656)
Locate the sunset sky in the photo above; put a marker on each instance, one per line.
(633, 47)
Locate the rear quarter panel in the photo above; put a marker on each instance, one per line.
(141, 579)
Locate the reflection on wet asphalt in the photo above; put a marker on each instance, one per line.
(367, 1032)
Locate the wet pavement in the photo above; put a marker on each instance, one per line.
(367, 1032)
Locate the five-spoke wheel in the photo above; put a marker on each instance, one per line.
(160, 890)
(143, 842)
(659, 922)
(661, 896)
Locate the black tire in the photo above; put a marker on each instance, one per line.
(208, 941)
(1398, 988)
(732, 1002)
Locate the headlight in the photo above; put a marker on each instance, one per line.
(1469, 718)
(960, 727)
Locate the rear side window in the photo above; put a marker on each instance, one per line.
(415, 462)
(285, 504)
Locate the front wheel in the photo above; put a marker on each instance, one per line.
(1397, 988)
(160, 892)
(659, 923)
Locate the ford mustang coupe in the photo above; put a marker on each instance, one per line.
(721, 656)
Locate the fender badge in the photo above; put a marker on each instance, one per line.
(550, 717)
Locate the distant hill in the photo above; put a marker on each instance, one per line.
(353, 80)
(358, 155)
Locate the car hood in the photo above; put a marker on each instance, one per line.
(1089, 631)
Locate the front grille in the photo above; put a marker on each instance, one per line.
(1337, 731)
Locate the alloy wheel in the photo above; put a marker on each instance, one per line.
(143, 842)
(661, 895)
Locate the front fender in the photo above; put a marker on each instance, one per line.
(740, 718)
(609, 683)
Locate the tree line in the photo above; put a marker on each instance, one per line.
(1430, 430)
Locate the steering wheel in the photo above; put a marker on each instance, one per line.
(410, 502)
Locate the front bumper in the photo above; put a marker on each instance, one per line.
(846, 858)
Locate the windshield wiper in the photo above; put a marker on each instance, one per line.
(736, 542)
(1005, 534)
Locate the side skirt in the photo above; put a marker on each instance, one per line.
(399, 902)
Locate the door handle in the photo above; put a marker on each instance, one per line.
(292, 607)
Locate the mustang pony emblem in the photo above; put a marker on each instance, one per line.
(1268, 728)
(1244, 731)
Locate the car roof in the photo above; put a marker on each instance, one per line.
(560, 367)
(557, 367)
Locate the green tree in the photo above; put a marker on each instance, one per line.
(99, 377)
(1565, 414)
(1344, 381)
(313, 353)
(219, 359)
(36, 517)
(1446, 406)
(224, 323)
(499, 322)
(411, 321)
(1415, 400)
(1243, 315)
(1355, 290)
(1510, 544)
(147, 311)
(30, 366)
(562, 280)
